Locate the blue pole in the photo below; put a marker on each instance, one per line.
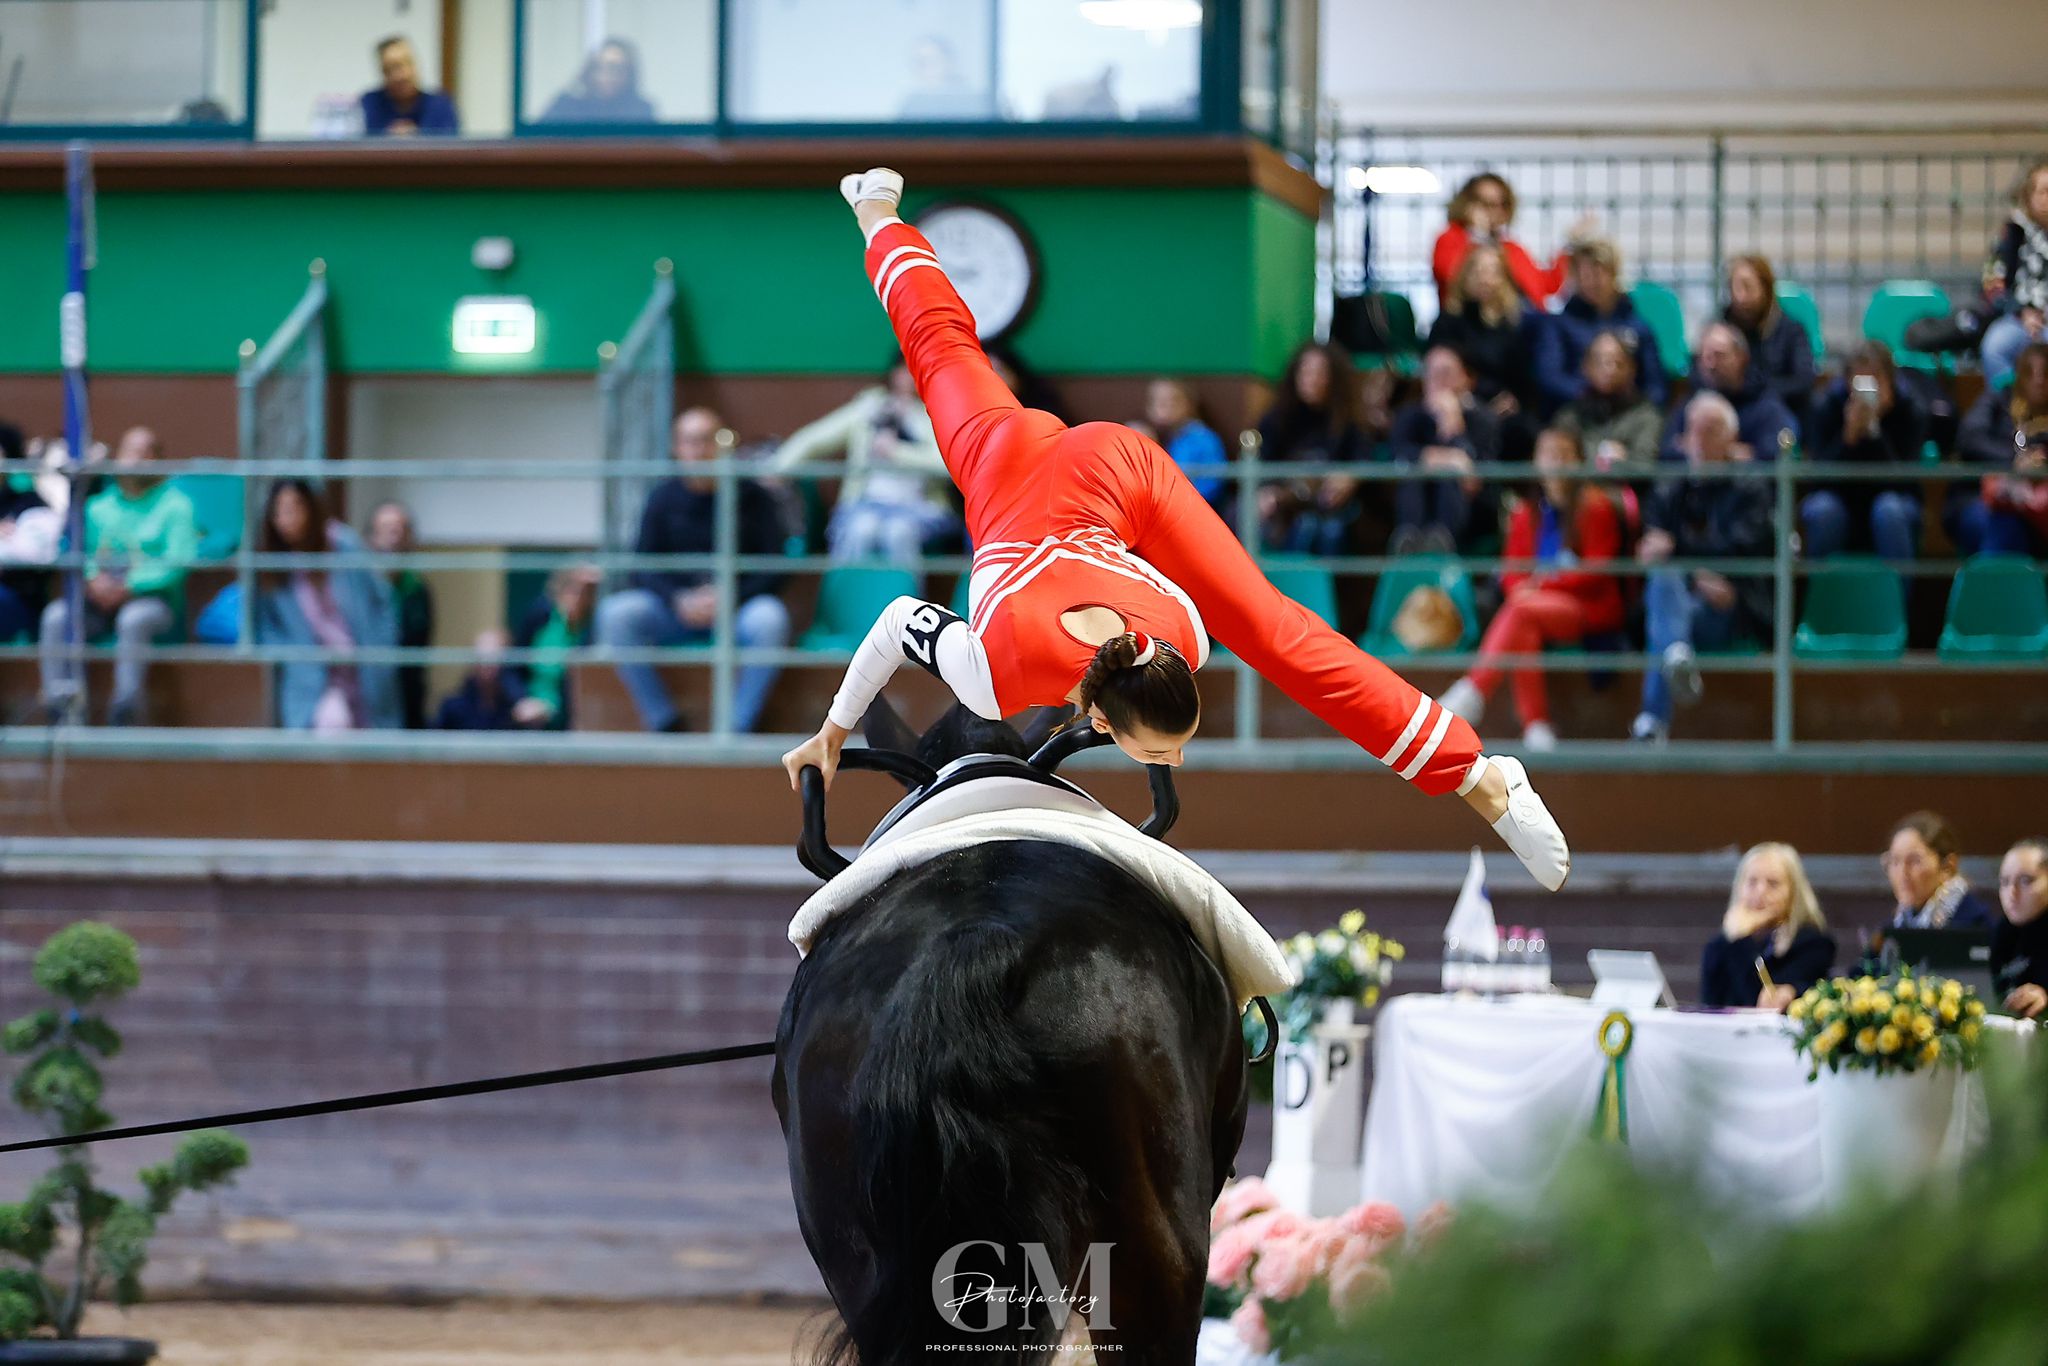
(68, 696)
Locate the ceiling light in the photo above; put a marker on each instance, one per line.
(1395, 179)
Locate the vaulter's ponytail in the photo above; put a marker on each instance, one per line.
(1140, 681)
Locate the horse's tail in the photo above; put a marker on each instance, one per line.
(956, 1147)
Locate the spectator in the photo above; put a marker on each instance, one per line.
(22, 591)
(140, 537)
(2016, 280)
(1177, 425)
(1924, 865)
(893, 499)
(2019, 940)
(1485, 323)
(1597, 305)
(1313, 421)
(1765, 428)
(680, 607)
(1483, 210)
(1773, 919)
(1617, 426)
(391, 533)
(490, 695)
(1447, 429)
(399, 108)
(2007, 429)
(1866, 417)
(555, 624)
(1700, 609)
(1566, 528)
(334, 609)
(1780, 349)
(607, 90)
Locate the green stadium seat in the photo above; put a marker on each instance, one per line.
(217, 502)
(1403, 347)
(1798, 303)
(1660, 309)
(1311, 585)
(959, 605)
(850, 599)
(1897, 305)
(1997, 609)
(1418, 571)
(1855, 609)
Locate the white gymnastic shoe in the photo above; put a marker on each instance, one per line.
(1529, 828)
(1539, 737)
(879, 183)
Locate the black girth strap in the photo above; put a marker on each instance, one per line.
(588, 1072)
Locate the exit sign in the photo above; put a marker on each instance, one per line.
(494, 325)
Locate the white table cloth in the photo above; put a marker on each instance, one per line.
(1483, 1099)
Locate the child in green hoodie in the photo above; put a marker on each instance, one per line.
(141, 536)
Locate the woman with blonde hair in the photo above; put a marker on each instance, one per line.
(1773, 943)
(1485, 322)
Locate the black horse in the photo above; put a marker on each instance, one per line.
(1004, 1066)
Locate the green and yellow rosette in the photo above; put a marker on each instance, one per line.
(1615, 1037)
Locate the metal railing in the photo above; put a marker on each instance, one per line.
(636, 395)
(1836, 211)
(281, 413)
(724, 566)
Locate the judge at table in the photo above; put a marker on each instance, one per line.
(2019, 941)
(1773, 916)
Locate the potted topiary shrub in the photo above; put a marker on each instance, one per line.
(108, 1237)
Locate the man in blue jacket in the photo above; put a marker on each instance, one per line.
(399, 108)
(1560, 340)
(667, 607)
(1765, 427)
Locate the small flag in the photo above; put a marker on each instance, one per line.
(1471, 921)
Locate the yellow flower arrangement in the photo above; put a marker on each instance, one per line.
(1898, 1023)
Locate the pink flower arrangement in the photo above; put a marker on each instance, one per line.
(1240, 1200)
(1297, 1277)
(1250, 1323)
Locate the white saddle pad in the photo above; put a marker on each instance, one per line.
(1000, 808)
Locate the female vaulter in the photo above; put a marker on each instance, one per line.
(1098, 571)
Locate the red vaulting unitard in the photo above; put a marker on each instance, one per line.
(1097, 515)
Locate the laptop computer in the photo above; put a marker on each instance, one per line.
(1628, 979)
(1962, 954)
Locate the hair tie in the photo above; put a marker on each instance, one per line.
(1148, 650)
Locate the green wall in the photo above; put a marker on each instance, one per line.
(1197, 281)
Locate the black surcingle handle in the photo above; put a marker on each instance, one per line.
(813, 849)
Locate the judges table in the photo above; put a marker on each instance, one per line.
(1481, 1100)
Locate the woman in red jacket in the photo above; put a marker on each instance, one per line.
(1481, 211)
(1099, 571)
(1572, 525)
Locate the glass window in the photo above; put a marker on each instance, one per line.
(1108, 60)
(827, 61)
(324, 65)
(947, 61)
(136, 63)
(1261, 23)
(612, 63)
(1299, 96)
